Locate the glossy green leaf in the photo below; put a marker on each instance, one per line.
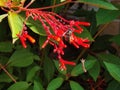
(113, 69)
(36, 26)
(37, 86)
(3, 16)
(99, 3)
(15, 23)
(32, 73)
(85, 34)
(75, 86)
(77, 70)
(95, 70)
(19, 86)
(105, 16)
(116, 39)
(55, 83)
(110, 58)
(48, 68)
(6, 46)
(21, 58)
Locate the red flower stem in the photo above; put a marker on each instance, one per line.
(57, 23)
(45, 26)
(59, 17)
(49, 22)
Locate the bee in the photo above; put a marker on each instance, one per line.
(68, 35)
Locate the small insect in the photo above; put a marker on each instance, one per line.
(68, 35)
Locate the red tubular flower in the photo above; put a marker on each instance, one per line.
(24, 36)
(31, 39)
(22, 39)
(57, 30)
(63, 63)
(76, 41)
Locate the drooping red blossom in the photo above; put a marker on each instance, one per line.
(23, 36)
(58, 29)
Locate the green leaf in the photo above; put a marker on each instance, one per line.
(3, 59)
(48, 68)
(114, 70)
(116, 39)
(99, 3)
(75, 86)
(79, 70)
(15, 23)
(6, 46)
(110, 58)
(5, 78)
(37, 86)
(57, 9)
(3, 16)
(32, 73)
(114, 85)
(55, 83)
(21, 58)
(36, 26)
(105, 16)
(19, 86)
(42, 39)
(86, 34)
(95, 70)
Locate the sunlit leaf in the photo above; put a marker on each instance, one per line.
(3, 16)
(2, 2)
(15, 23)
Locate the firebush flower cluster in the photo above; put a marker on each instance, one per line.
(57, 29)
(23, 36)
